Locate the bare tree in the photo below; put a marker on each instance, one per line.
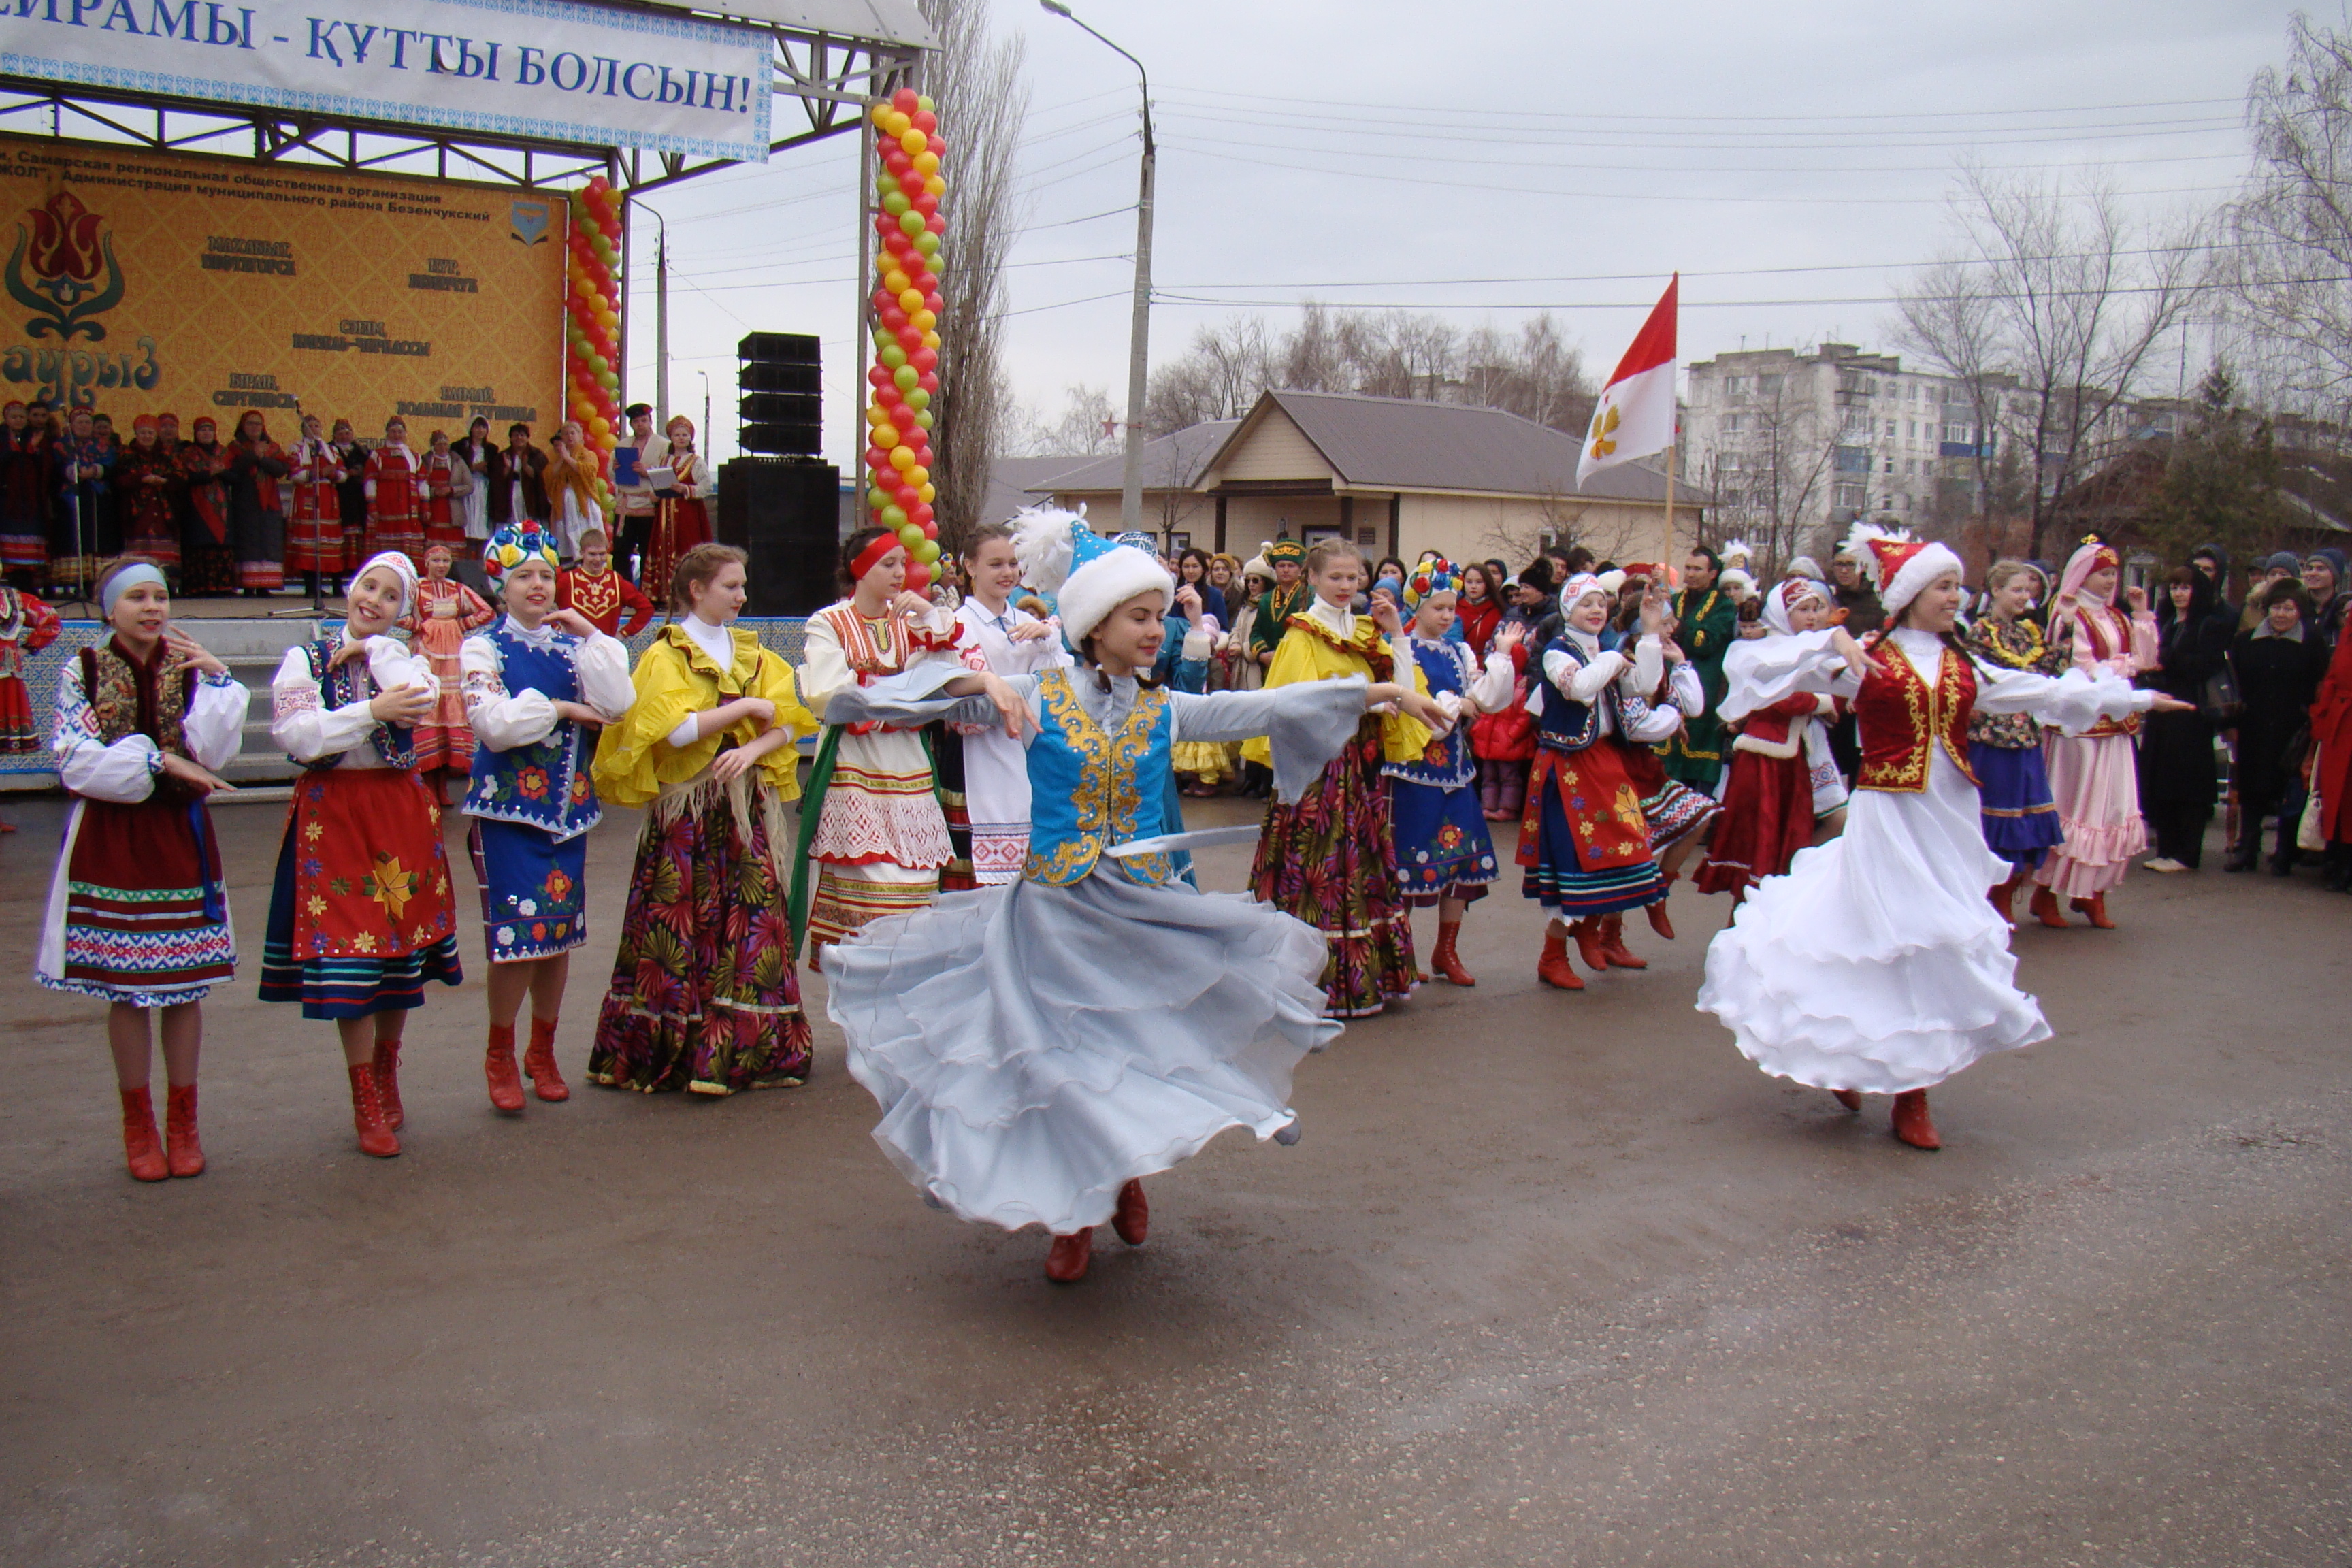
(1088, 428)
(1767, 477)
(2291, 266)
(2074, 298)
(975, 80)
(1954, 325)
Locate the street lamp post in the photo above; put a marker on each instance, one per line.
(1130, 489)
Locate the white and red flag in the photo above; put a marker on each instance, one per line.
(1635, 416)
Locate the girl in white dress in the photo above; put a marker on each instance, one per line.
(1876, 965)
(1005, 640)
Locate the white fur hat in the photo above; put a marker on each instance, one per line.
(1088, 574)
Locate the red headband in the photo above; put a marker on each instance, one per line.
(871, 556)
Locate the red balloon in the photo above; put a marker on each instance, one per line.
(924, 359)
(936, 223)
(895, 320)
(926, 204)
(924, 121)
(920, 512)
(886, 226)
(896, 160)
(919, 576)
(938, 149)
(879, 460)
(879, 377)
(908, 497)
(907, 101)
(886, 391)
(910, 337)
(933, 303)
(895, 242)
(929, 381)
(910, 186)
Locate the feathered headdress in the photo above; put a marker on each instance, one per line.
(1737, 552)
(1898, 565)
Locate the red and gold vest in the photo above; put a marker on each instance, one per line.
(1903, 720)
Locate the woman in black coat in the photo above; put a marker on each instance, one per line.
(2278, 663)
(2178, 776)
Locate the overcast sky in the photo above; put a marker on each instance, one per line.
(1491, 161)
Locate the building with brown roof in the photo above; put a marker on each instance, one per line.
(1396, 476)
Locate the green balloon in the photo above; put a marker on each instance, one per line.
(910, 534)
(892, 517)
(927, 243)
(896, 203)
(908, 377)
(923, 100)
(918, 399)
(925, 550)
(877, 497)
(924, 418)
(894, 358)
(911, 222)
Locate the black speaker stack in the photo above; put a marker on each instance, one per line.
(782, 391)
(785, 514)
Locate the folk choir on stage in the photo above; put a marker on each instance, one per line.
(990, 867)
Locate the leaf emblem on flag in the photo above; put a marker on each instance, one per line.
(1605, 420)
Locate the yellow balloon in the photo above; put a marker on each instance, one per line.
(930, 340)
(896, 280)
(927, 162)
(913, 140)
(921, 321)
(911, 299)
(886, 435)
(935, 185)
(917, 475)
(895, 123)
(880, 114)
(902, 457)
(876, 415)
(928, 493)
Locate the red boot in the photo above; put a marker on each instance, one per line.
(1065, 1264)
(1658, 921)
(1911, 1124)
(498, 1066)
(387, 1082)
(2044, 907)
(1589, 946)
(367, 1115)
(539, 1061)
(139, 1150)
(2095, 907)
(1613, 945)
(1553, 968)
(186, 1154)
(2004, 899)
(1133, 1218)
(1848, 1099)
(1447, 962)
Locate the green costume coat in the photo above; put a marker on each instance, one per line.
(1708, 622)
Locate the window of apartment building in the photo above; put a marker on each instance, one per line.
(1889, 466)
(1890, 429)
(1732, 422)
(1850, 496)
(1768, 387)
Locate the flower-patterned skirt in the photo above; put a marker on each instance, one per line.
(1583, 839)
(1329, 861)
(1443, 848)
(703, 996)
(361, 916)
(533, 902)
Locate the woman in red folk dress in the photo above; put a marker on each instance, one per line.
(1771, 806)
(681, 513)
(27, 627)
(395, 496)
(208, 564)
(257, 516)
(361, 917)
(314, 529)
(143, 478)
(446, 613)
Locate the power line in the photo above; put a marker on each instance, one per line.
(1515, 116)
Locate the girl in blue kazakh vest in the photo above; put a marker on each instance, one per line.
(360, 917)
(1039, 1047)
(539, 682)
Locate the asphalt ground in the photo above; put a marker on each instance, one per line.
(1552, 1279)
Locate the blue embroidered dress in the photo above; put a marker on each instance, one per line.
(1443, 848)
(530, 796)
(1034, 1045)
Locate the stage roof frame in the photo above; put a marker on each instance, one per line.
(832, 57)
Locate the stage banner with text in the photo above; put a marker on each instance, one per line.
(139, 282)
(565, 70)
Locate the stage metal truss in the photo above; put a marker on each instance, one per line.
(832, 78)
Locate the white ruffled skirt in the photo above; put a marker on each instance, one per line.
(1877, 963)
(1033, 1048)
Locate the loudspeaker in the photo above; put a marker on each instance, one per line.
(785, 513)
(782, 384)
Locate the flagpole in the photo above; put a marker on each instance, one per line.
(1668, 558)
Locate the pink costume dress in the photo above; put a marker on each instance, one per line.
(2092, 775)
(446, 739)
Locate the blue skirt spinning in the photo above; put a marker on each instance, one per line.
(2020, 816)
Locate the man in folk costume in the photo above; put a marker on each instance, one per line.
(2092, 774)
(601, 593)
(637, 498)
(1826, 975)
(1289, 596)
(1706, 622)
(395, 493)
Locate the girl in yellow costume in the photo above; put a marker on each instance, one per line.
(703, 996)
(1330, 860)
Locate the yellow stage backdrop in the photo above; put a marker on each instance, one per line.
(140, 283)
